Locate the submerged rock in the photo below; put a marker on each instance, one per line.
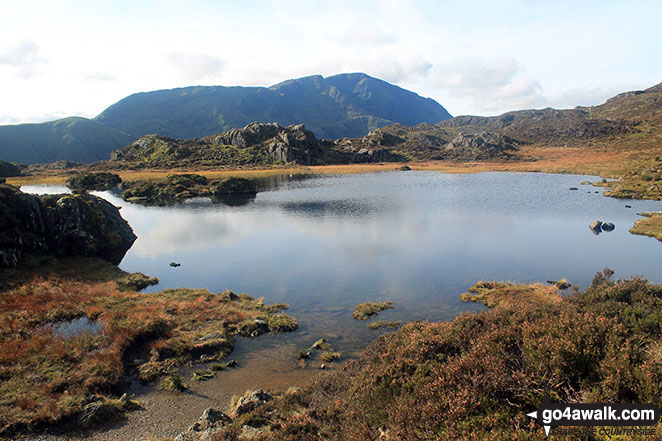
(62, 225)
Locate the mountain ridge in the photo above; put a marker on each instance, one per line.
(343, 105)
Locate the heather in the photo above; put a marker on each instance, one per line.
(477, 376)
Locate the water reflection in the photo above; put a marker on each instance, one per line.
(324, 244)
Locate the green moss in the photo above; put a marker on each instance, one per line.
(173, 382)
(204, 375)
(370, 309)
(328, 356)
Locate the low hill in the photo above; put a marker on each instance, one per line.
(69, 139)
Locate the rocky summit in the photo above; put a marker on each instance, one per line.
(62, 225)
(270, 143)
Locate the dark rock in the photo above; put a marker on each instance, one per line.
(9, 170)
(573, 188)
(628, 206)
(608, 226)
(596, 226)
(560, 284)
(231, 363)
(250, 401)
(175, 264)
(62, 225)
(404, 168)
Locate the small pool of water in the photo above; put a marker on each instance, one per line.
(74, 327)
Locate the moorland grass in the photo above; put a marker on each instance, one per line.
(46, 377)
(477, 376)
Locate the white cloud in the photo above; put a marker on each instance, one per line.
(480, 58)
(363, 35)
(195, 67)
(23, 57)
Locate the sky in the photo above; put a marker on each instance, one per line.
(77, 57)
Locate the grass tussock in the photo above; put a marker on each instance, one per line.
(46, 376)
(173, 382)
(493, 294)
(370, 309)
(650, 225)
(477, 376)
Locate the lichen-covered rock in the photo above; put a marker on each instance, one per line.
(478, 146)
(208, 424)
(62, 225)
(251, 400)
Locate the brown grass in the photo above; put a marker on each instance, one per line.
(494, 294)
(45, 377)
(649, 226)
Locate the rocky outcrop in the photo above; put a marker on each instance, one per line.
(287, 144)
(62, 225)
(250, 401)
(256, 143)
(480, 146)
(426, 142)
(208, 424)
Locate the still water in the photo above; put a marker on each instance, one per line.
(326, 243)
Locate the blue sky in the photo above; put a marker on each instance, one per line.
(61, 58)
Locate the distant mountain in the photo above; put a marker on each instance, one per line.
(73, 139)
(346, 105)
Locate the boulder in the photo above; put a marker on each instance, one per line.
(61, 225)
(596, 226)
(208, 424)
(250, 401)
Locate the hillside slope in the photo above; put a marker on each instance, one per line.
(70, 139)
